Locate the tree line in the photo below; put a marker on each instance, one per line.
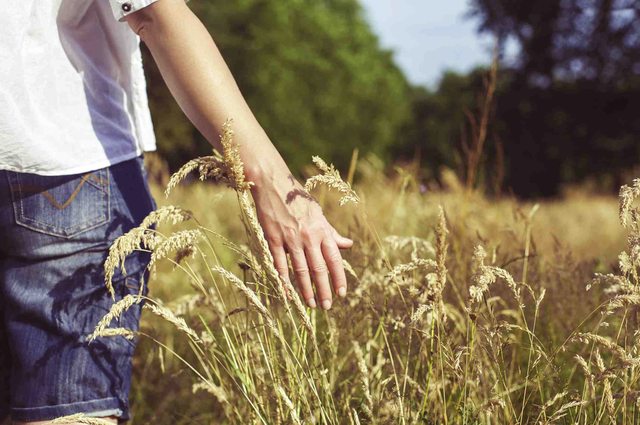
(318, 80)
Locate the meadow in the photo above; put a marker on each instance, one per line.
(461, 309)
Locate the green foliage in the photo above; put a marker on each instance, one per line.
(433, 136)
(595, 40)
(566, 111)
(312, 71)
(319, 82)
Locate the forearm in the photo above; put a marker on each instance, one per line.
(202, 84)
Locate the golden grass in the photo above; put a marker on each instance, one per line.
(461, 310)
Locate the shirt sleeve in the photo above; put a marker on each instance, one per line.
(122, 8)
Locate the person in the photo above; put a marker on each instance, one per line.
(74, 122)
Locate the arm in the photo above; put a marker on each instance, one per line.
(203, 86)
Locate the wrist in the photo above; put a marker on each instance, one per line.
(266, 170)
(263, 164)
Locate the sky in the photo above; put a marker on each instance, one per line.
(428, 36)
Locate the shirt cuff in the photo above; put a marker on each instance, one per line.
(122, 8)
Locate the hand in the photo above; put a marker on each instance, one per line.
(294, 224)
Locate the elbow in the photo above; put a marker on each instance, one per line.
(158, 15)
(138, 22)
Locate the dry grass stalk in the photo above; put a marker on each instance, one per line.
(435, 290)
(417, 264)
(183, 241)
(111, 332)
(170, 317)
(485, 276)
(116, 311)
(235, 169)
(628, 214)
(80, 418)
(420, 311)
(139, 238)
(284, 287)
(364, 377)
(467, 370)
(208, 167)
(611, 347)
(226, 168)
(212, 389)
(292, 409)
(330, 177)
(349, 269)
(608, 397)
(251, 296)
(479, 126)
(419, 246)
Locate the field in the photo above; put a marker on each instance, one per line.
(460, 310)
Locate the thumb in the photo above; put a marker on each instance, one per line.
(341, 241)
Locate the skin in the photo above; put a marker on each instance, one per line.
(203, 86)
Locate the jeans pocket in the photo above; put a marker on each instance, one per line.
(62, 206)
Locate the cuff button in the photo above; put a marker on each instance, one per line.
(126, 7)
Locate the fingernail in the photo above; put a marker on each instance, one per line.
(326, 304)
(311, 302)
(342, 291)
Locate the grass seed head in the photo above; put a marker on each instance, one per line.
(330, 177)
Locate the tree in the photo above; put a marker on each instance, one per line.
(312, 71)
(571, 40)
(566, 110)
(439, 122)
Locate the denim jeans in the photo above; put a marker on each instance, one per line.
(55, 232)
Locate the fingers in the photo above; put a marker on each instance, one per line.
(341, 241)
(320, 274)
(301, 270)
(333, 259)
(280, 262)
(316, 261)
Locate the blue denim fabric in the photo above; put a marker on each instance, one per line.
(55, 233)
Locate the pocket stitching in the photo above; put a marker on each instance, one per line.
(48, 229)
(100, 182)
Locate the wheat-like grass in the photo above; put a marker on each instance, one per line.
(419, 246)
(170, 317)
(552, 353)
(485, 276)
(111, 332)
(417, 264)
(115, 312)
(208, 167)
(80, 418)
(139, 238)
(184, 242)
(436, 286)
(287, 401)
(629, 214)
(284, 288)
(367, 408)
(251, 296)
(226, 168)
(212, 389)
(330, 177)
(610, 346)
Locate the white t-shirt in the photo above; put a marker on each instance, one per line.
(72, 89)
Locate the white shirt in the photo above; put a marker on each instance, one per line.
(72, 89)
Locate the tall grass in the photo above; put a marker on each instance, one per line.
(468, 313)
